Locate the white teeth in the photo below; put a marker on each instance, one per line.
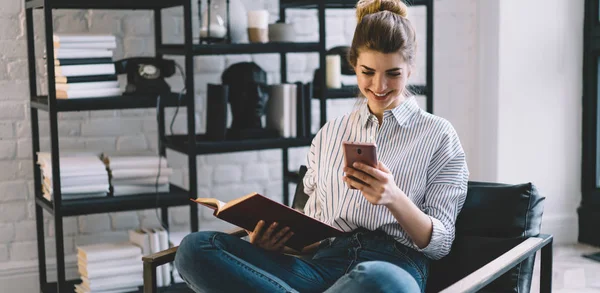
(382, 95)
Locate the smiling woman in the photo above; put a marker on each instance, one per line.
(399, 216)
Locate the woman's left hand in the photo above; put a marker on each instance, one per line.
(379, 188)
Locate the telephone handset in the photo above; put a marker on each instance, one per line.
(146, 75)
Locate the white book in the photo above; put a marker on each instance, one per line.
(107, 264)
(163, 179)
(81, 53)
(80, 289)
(82, 189)
(121, 190)
(82, 38)
(91, 93)
(140, 173)
(111, 283)
(84, 70)
(80, 180)
(87, 85)
(86, 45)
(131, 162)
(140, 238)
(281, 113)
(163, 239)
(108, 251)
(137, 268)
(155, 247)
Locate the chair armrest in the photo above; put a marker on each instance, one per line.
(161, 258)
(494, 269)
(152, 261)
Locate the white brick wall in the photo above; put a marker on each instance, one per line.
(223, 175)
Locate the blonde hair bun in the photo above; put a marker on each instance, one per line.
(366, 7)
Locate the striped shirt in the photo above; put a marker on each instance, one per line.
(423, 152)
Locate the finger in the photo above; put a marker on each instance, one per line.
(269, 232)
(373, 172)
(383, 167)
(258, 231)
(280, 234)
(360, 175)
(367, 190)
(284, 239)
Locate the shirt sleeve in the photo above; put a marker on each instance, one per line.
(448, 176)
(312, 207)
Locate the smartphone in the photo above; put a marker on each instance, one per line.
(362, 152)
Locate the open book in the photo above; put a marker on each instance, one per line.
(246, 211)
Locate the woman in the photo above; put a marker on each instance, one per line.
(402, 216)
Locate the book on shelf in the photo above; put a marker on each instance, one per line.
(152, 240)
(111, 84)
(108, 251)
(91, 93)
(85, 70)
(245, 212)
(81, 53)
(81, 289)
(87, 78)
(82, 37)
(82, 61)
(86, 45)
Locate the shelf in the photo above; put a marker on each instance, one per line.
(352, 91)
(335, 3)
(180, 143)
(106, 103)
(74, 207)
(174, 288)
(247, 48)
(104, 4)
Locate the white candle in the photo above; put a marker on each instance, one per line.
(334, 71)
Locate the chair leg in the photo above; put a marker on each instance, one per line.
(546, 269)
(149, 278)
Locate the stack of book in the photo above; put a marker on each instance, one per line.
(82, 175)
(84, 66)
(138, 174)
(152, 241)
(109, 267)
(175, 239)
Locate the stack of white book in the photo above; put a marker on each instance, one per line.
(82, 175)
(84, 66)
(153, 240)
(138, 174)
(175, 239)
(109, 267)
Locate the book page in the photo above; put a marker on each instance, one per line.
(237, 200)
(212, 203)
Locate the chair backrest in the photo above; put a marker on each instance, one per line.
(495, 218)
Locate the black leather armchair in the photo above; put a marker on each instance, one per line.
(497, 237)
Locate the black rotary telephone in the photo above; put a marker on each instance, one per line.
(146, 75)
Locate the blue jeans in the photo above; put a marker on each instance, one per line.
(360, 261)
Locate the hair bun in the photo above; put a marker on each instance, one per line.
(366, 7)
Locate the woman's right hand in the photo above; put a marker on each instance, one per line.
(267, 239)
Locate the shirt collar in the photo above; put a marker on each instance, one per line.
(401, 112)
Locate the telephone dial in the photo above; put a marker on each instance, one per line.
(146, 75)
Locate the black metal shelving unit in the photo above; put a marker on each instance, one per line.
(189, 144)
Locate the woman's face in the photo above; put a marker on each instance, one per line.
(381, 78)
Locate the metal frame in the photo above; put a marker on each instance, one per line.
(496, 268)
(589, 210)
(190, 144)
